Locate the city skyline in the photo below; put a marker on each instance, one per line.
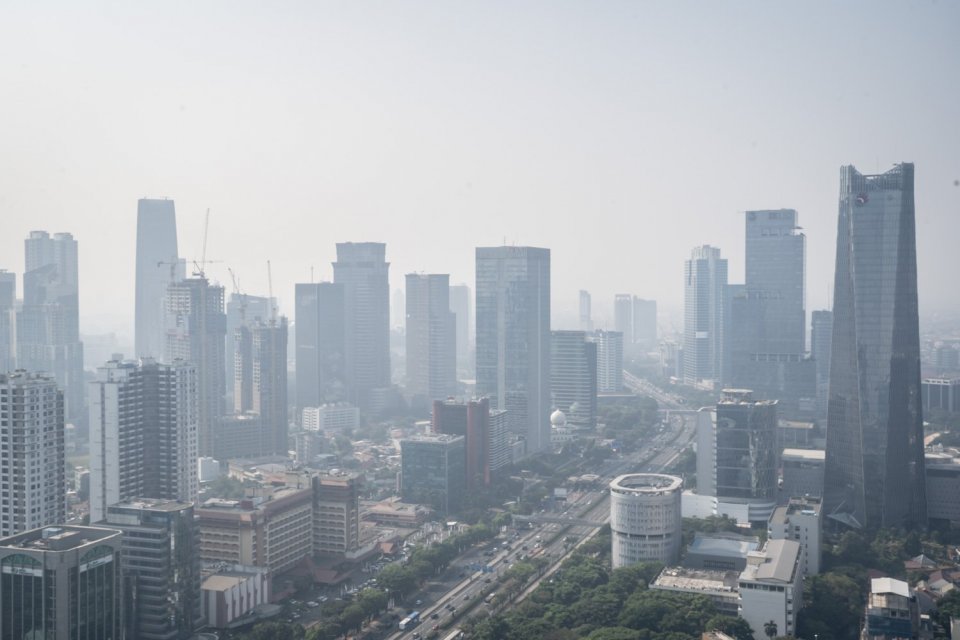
(733, 116)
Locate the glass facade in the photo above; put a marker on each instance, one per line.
(874, 473)
(704, 316)
(433, 471)
(746, 450)
(513, 338)
(320, 338)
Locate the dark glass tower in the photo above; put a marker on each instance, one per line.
(321, 344)
(874, 463)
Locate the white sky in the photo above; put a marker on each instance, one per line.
(618, 134)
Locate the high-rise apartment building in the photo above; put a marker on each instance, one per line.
(243, 310)
(586, 317)
(573, 377)
(196, 330)
(362, 269)
(48, 326)
(461, 305)
(431, 339)
(321, 344)
(874, 474)
(704, 329)
(61, 583)
(513, 338)
(8, 321)
(160, 564)
(484, 433)
(143, 433)
(32, 455)
(158, 265)
(609, 361)
(821, 338)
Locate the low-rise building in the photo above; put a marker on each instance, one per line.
(941, 394)
(61, 583)
(395, 513)
(331, 417)
(720, 551)
(232, 592)
(800, 521)
(719, 586)
(891, 612)
(275, 532)
(771, 588)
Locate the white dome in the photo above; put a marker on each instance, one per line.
(557, 418)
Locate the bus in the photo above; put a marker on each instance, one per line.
(410, 621)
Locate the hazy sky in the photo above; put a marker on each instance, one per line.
(618, 134)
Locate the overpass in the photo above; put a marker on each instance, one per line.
(546, 519)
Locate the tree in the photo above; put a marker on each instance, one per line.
(274, 631)
(397, 580)
(770, 629)
(736, 627)
(352, 617)
(372, 601)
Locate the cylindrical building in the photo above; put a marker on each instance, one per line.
(645, 518)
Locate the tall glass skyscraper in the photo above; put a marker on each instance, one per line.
(704, 316)
(321, 344)
(513, 338)
(874, 461)
(158, 265)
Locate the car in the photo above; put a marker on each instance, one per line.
(487, 580)
(434, 616)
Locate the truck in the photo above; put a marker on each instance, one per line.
(410, 621)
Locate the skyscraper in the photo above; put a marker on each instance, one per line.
(243, 310)
(573, 377)
(586, 318)
(513, 338)
(766, 333)
(158, 265)
(32, 457)
(705, 283)
(8, 321)
(460, 305)
(609, 361)
(143, 433)
(269, 372)
(161, 568)
(645, 323)
(321, 344)
(623, 316)
(431, 339)
(874, 475)
(362, 269)
(196, 330)
(821, 337)
(48, 327)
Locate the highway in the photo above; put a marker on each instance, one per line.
(590, 506)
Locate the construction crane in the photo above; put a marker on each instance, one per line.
(173, 269)
(240, 296)
(199, 268)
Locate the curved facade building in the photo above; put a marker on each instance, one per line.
(645, 518)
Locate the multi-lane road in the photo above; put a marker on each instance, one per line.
(556, 541)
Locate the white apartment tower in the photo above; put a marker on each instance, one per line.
(143, 433)
(32, 483)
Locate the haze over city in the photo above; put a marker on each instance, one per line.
(619, 135)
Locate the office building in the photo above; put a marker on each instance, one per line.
(947, 358)
(48, 325)
(645, 519)
(32, 456)
(8, 321)
(61, 583)
(431, 339)
(623, 316)
(161, 568)
(362, 269)
(704, 329)
(320, 344)
(269, 372)
(609, 361)
(158, 266)
(143, 433)
(275, 531)
(433, 471)
(573, 377)
(196, 330)
(771, 588)
(942, 471)
(484, 432)
(892, 611)
(941, 394)
(716, 584)
(586, 317)
(513, 338)
(821, 337)
(331, 417)
(874, 465)
(799, 520)
(238, 436)
(645, 323)
(461, 306)
(336, 513)
(802, 472)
